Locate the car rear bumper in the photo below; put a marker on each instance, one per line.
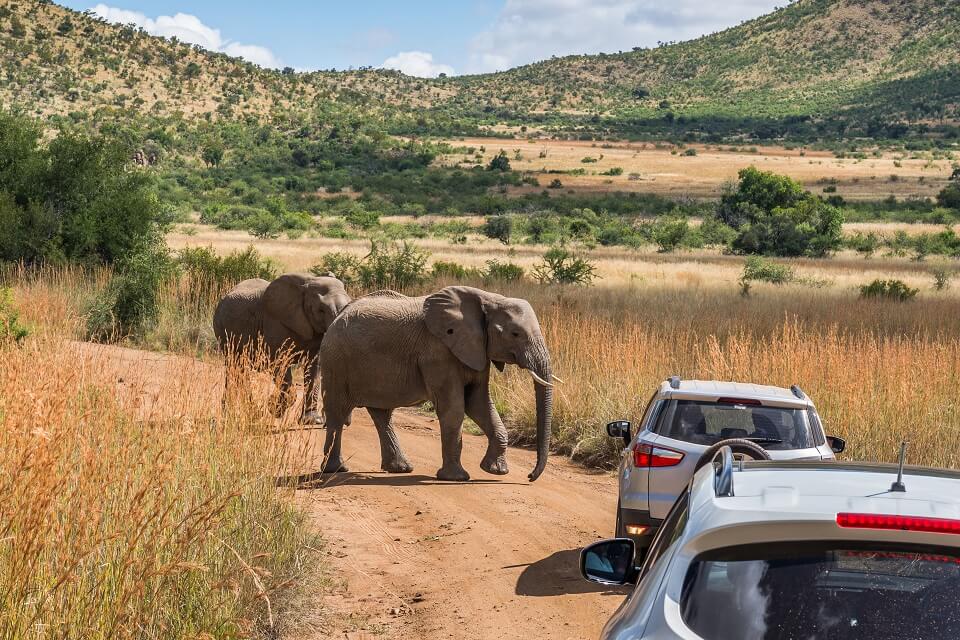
(636, 517)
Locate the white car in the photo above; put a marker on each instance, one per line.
(686, 422)
(795, 550)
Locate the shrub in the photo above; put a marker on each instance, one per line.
(670, 233)
(360, 217)
(888, 289)
(941, 278)
(561, 266)
(205, 267)
(11, 329)
(499, 228)
(866, 244)
(76, 198)
(444, 269)
(690, 152)
(950, 197)
(497, 271)
(757, 269)
(499, 162)
(263, 225)
(340, 263)
(774, 216)
(387, 266)
(613, 171)
(130, 303)
(555, 184)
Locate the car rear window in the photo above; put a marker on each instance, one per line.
(813, 591)
(707, 423)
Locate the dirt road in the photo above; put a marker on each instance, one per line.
(496, 557)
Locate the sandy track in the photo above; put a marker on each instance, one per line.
(496, 557)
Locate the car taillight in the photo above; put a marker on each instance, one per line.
(645, 455)
(897, 523)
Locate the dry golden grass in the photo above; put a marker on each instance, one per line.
(666, 171)
(132, 506)
(878, 371)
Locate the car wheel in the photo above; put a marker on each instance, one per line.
(739, 446)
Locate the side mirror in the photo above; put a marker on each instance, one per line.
(837, 444)
(610, 562)
(619, 429)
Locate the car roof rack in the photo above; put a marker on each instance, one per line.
(674, 382)
(723, 473)
(797, 391)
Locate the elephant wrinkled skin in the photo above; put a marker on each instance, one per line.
(288, 316)
(387, 350)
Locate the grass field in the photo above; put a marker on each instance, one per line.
(666, 170)
(132, 507)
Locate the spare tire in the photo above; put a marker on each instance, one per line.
(738, 446)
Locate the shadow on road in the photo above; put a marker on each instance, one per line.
(319, 480)
(558, 574)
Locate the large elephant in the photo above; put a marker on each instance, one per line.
(387, 351)
(286, 317)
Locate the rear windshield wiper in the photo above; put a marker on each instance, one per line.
(765, 440)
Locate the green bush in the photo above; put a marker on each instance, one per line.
(445, 269)
(942, 278)
(613, 171)
(11, 329)
(561, 266)
(360, 217)
(76, 198)
(950, 197)
(888, 289)
(203, 265)
(499, 228)
(497, 271)
(130, 304)
(757, 269)
(670, 233)
(774, 216)
(386, 266)
(499, 162)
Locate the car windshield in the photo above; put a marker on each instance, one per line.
(707, 423)
(813, 592)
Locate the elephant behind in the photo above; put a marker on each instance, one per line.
(288, 316)
(387, 350)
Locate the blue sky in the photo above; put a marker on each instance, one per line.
(425, 37)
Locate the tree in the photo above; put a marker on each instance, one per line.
(774, 216)
(213, 153)
(500, 162)
(499, 228)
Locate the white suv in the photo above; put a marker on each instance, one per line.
(686, 422)
(764, 550)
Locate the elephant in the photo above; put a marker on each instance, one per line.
(288, 316)
(387, 350)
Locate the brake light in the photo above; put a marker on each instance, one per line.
(645, 455)
(741, 401)
(897, 523)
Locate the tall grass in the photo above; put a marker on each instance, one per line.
(131, 506)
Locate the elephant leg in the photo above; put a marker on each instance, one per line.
(450, 412)
(392, 459)
(332, 456)
(480, 408)
(285, 398)
(311, 396)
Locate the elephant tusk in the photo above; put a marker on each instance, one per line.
(556, 379)
(539, 380)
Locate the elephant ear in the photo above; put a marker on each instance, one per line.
(455, 316)
(283, 300)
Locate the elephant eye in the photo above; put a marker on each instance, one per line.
(516, 334)
(449, 331)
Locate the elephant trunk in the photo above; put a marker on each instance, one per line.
(538, 364)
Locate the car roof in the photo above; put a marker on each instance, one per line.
(712, 390)
(803, 499)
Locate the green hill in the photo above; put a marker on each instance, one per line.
(816, 68)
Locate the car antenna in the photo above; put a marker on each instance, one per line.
(898, 486)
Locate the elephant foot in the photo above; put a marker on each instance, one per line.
(400, 465)
(334, 466)
(453, 474)
(312, 418)
(495, 465)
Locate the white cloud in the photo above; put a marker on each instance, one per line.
(189, 28)
(417, 63)
(530, 30)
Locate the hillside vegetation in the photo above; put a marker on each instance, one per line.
(817, 68)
